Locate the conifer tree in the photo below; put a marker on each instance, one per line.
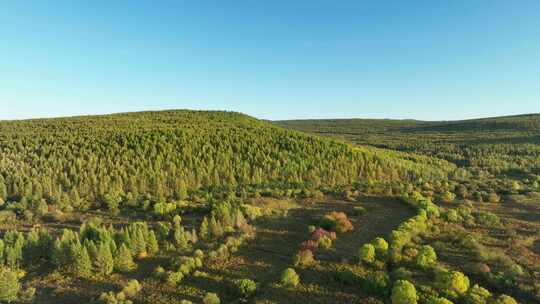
(9, 285)
(104, 260)
(80, 263)
(203, 230)
(215, 228)
(123, 261)
(152, 243)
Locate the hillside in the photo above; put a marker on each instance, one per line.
(219, 207)
(159, 155)
(510, 143)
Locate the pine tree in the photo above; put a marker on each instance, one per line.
(180, 237)
(80, 263)
(3, 191)
(216, 230)
(138, 243)
(104, 260)
(9, 285)
(152, 243)
(123, 261)
(203, 230)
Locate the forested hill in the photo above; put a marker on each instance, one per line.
(160, 155)
(496, 144)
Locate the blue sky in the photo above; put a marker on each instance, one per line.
(271, 59)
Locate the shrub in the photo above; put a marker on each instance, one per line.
(304, 258)
(309, 245)
(488, 219)
(336, 221)
(319, 232)
(246, 287)
(377, 282)
(381, 246)
(174, 277)
(504, 299)
(366, 254)
(325, 242)
(448, 197)
(477, 295)
(290, 278)
(132, 288)
(439, 301)
(452, 216)
(404, 292)
(452, 283)
(211, 298)
(9, 285)
(426, 256)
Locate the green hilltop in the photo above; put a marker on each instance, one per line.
(160, 155)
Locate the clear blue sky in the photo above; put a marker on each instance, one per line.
(271, 59)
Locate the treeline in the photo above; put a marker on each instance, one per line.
(112, 159)
(502, 145)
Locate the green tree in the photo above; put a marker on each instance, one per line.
(381, 246)
(452, 283)
(477, 295)
(104, 260)
(426, 256)
(81, 265)
(290, 278)
(9, 285)
(404, 292)
(152, 243)
(123, 261)
(366, 253)
(203, 230)
(211, 298)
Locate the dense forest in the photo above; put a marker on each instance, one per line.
(156, 156)
(219, 207)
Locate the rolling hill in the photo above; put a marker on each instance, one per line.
(159, 155)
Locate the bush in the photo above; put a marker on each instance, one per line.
(452, 283)
(336, 221)
(504, 299)
(381, 246)
(404, 292)
(211, 298)
(448, 197)
(426, 256)
(174, 277)
(366, 254)
(9, 285)
(477, 295)
(304, 258)
(439, 301)
(325, 243)
(132, 288)
(377, 282)
(246, 287)
(290, 278)
(452, 216)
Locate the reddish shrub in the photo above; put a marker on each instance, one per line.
(319, 232)
(336, 221)
(309, 245)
